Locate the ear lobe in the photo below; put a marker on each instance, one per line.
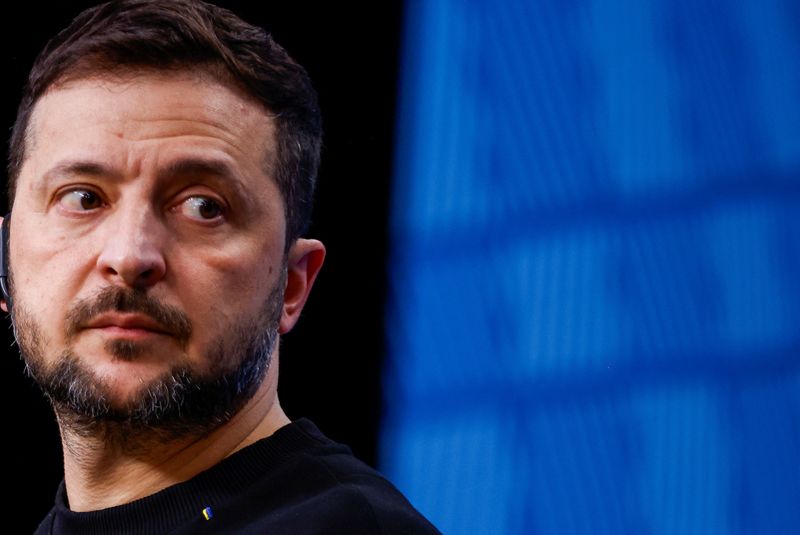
(304, 262)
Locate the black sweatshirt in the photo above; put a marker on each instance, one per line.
(296, 481)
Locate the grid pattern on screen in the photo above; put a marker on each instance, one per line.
(594, 291)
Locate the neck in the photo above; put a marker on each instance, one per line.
(99, 475)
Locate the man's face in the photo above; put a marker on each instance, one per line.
(147, 240)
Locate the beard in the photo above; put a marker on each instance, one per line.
(181, 403)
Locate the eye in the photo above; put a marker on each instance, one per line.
(204, 208)
(81, 200)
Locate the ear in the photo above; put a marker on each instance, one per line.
(304, 261)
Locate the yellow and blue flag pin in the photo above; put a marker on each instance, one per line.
(208, 514)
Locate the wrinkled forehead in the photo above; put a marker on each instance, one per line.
(262, 133)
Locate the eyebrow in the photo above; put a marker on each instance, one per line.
(182, 167)
(214, 168)
(200, 166)
(71, 168)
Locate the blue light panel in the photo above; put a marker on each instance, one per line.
(594, 292)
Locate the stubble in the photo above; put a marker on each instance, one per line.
(183, 402)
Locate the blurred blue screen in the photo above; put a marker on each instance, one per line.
(594, 291)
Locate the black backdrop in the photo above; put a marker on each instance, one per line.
(330, 363)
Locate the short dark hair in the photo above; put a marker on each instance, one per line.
(127, 35)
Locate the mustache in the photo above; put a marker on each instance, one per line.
(118, 299)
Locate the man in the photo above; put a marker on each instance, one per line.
(161, 171)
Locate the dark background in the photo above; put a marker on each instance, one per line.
(331, 361)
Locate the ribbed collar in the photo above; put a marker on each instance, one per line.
(179, 503)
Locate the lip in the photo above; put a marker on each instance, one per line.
(127, 324)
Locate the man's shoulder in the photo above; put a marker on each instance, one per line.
(295, 481)
(357, 487)
(323, 486)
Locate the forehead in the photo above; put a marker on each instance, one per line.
(143, 115)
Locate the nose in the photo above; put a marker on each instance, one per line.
(133, 250)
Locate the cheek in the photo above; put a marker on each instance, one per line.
(46, 276)
(47, 288)
(45, 302)
(40, 248)
(221, 294)
(226, 283)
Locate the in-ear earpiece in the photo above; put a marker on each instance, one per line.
(4, 261)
